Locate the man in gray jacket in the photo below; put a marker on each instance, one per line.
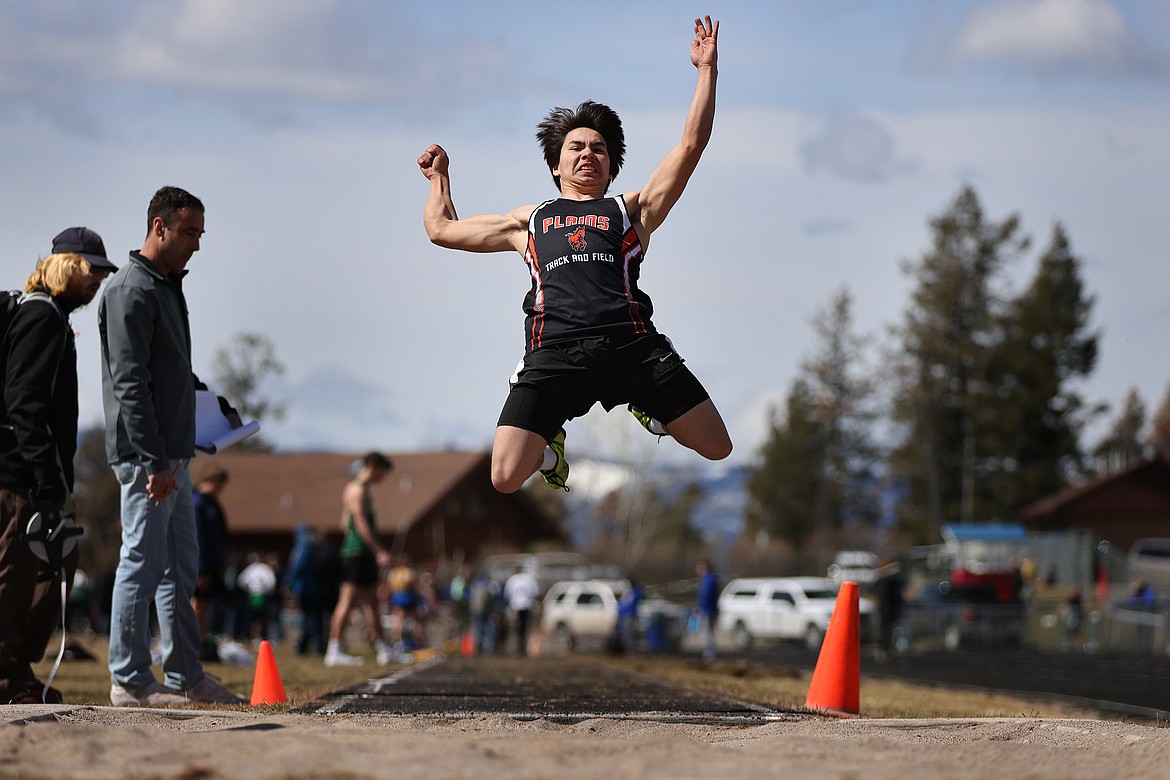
(148, 391)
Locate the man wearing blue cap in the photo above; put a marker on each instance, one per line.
(38, 439)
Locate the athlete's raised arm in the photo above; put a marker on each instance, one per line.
(653, 202)
(483, 233)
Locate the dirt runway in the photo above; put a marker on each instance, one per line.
(567, 718)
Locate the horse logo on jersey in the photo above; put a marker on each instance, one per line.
(577, 239)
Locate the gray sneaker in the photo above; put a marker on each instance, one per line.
(150, 695)
(210, 691)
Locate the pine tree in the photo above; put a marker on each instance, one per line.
(1123, 446)
(1038, 416)
(818, 461)
(1160, 432)
(782, 487)
(947, 340)
(845, 407)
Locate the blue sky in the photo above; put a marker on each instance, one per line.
(842, 127)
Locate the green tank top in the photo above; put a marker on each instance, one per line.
(353, 544)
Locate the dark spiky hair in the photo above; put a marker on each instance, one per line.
(553, 128)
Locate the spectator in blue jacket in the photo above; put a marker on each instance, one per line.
(308, 583)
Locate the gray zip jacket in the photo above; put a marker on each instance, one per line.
(148, 388)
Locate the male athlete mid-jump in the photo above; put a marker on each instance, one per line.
(588, 330)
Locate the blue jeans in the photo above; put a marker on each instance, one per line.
(159, 560)
(485, 633)
(707, 629)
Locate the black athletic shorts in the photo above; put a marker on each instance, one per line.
(561, 381)
(361, 570)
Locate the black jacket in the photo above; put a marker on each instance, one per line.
(39, 412)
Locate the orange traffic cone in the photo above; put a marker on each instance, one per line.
(267, 687)
(467, 644)
(837, 676)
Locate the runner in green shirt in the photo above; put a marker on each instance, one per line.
(362, 556)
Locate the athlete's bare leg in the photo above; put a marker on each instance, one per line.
(369, 599)
(345, 599)
(516, 455)
(702, 430)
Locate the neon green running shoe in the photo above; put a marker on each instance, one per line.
(558, 475)
(645, 419)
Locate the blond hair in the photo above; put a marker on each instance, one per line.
(54, 272)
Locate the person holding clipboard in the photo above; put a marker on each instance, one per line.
(148, 393)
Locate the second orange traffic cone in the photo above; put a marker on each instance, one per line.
(837, 676)
(267, 687)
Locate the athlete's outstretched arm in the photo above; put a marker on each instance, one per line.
(666, 184)
(484, 233)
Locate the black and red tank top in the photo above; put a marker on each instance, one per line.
(584, 258)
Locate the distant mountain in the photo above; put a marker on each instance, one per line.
(719, 517)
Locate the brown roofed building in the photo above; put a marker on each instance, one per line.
(1121, 506)
(437, 507)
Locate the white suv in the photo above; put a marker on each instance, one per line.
(794, 608)
(1149, 560)
(576, 610)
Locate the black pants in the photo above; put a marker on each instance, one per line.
(312, 626)
(523, 616)
(30, 596)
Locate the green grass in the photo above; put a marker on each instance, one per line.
(305, 678)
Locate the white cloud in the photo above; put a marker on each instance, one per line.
(252, 55)
(853, 146)
(1052, 36)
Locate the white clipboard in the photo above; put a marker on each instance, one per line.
(213, 431)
